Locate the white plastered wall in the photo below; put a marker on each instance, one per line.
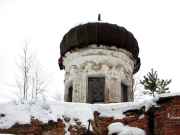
(116, 65)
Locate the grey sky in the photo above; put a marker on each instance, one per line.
(155, 24)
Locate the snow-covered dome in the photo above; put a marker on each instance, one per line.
(100, 33)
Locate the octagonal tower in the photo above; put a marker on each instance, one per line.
(99, 61)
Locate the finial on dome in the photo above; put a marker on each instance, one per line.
(99, 17)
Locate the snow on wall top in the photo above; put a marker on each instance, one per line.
(120, 129)
(169, 95)
(12, 113)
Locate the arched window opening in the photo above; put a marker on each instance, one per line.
(124, 92)
(70, 91)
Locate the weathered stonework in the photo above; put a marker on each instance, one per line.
(116, 65)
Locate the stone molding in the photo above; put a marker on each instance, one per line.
(116, 65)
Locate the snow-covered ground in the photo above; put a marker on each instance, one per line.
(44, 110)
(120, 129)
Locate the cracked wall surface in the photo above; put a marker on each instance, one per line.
(116, 65)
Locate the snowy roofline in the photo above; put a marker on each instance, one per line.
(45, 111)
(176, 94)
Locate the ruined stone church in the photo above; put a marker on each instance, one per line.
(99, 61)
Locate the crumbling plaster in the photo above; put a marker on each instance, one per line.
(116, 65)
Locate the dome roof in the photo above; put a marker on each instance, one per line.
(101, 34)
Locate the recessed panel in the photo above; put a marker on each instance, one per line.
(96, 86)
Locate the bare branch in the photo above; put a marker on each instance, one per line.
(31, 82)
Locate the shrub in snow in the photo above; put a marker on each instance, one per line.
(152, 84)
(119, 129)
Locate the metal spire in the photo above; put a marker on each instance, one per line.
(99, 17)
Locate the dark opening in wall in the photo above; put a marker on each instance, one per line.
(96, 86)
(124, 92)
(70, 91)
(151, 122)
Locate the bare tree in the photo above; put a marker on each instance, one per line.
(134, 87)
(24, 65)
(31, 81)
(39, 81)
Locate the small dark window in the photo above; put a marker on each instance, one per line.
(114, 133)
(96, 86)
(124, 92)
(70, 90)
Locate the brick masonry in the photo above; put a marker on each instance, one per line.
(162, 120)
(167, 117)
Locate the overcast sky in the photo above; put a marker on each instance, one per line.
(42, 23)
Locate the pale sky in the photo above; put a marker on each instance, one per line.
(42, 23)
